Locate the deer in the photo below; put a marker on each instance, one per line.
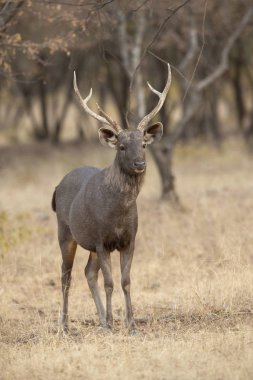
(96, 208)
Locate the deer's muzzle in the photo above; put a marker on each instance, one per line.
(139, 166)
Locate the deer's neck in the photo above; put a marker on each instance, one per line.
(122, 182)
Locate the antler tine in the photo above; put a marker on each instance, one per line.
(106, 120)
(162, 96)
(109, 119)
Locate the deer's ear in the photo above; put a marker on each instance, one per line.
(153, 133)
(108, 137)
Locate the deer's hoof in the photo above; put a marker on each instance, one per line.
(132, 331)
(109, 326)
(103, 323)
(63, 330)
(109, 323)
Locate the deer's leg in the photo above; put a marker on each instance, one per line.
(126, 257)
(91, 273)
(105, 264)
(68, 250)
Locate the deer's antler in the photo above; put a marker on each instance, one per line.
(162, 96)
(105, 119)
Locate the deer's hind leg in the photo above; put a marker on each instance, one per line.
(68, 250)
(91, 272)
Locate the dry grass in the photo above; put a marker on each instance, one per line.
(192, 276)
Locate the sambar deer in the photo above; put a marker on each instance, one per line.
(97, 210)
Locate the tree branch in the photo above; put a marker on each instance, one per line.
(191, 52)
(224, 64)
(9, 14)
(148, 46)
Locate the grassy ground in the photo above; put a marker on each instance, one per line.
(192, 275)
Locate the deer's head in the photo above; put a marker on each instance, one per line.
(130, 144)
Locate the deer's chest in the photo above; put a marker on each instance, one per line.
(119, 231)
(118, 238)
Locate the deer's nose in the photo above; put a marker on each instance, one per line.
(139, 165)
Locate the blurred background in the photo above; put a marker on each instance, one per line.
(115, 47)
(192, 274)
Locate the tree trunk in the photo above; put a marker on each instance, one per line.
(60, 119)
(162, 153)
(214, 123)
(238, 92)
(43, 133)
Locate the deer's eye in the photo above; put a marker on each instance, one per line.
(144, 145)
(121, 147)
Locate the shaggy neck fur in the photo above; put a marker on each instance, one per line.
(124, 182)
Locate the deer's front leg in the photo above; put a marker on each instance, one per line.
(126, 257)
(105, 264)
(91, 273)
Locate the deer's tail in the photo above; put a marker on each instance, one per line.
(54, 201)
